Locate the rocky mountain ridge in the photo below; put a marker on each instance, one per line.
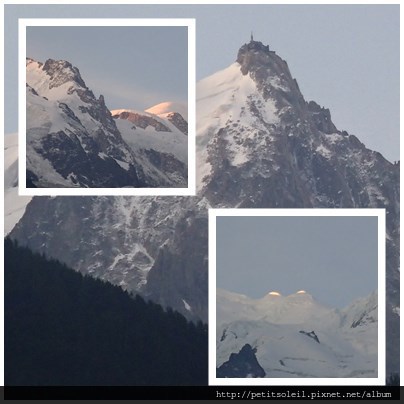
(73, 140)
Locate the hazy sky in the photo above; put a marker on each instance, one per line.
(332, 258)
(133, 67)
(345, 57)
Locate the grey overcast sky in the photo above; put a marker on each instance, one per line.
(133, 67)
(332, 258)
(345, 57)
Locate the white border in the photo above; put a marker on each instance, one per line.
(381, 222)
(23, 23)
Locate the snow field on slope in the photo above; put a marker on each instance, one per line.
(223, 99)
(273, 324)
(38, 79)
(174, 142)
(285, 352)
(10, 149)
(14, 208)
(43, 117)
(14, 205)
(165, 108)
(47, 110)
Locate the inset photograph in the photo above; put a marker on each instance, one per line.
(105, 105)
(298, 297)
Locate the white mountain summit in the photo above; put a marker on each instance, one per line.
(296, 336)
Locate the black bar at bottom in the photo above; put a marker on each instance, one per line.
(204, 393)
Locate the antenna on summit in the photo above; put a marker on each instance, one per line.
(252, 38)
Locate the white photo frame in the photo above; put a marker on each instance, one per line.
(381, 278)
(23, 23)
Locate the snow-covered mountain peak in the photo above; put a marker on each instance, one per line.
(297, 336)
(62, 71)
(55, 79)
(243, 112)
(255, 55)
(232, 114)
(299, 301)
(297, 308)
(273, 293)
(174, 112)
(169, 107)
(271, 73)
(300, 294)
(222, 96)
(32, 63)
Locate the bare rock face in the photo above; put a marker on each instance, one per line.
(167, 163)
(322, 118)
(178, 121)
(310, 334)
(271, 74)
(241, 364)
(61, 72)
(143, 121)
(276, 151)
(187, 250)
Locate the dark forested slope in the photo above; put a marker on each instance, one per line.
(62, 328)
